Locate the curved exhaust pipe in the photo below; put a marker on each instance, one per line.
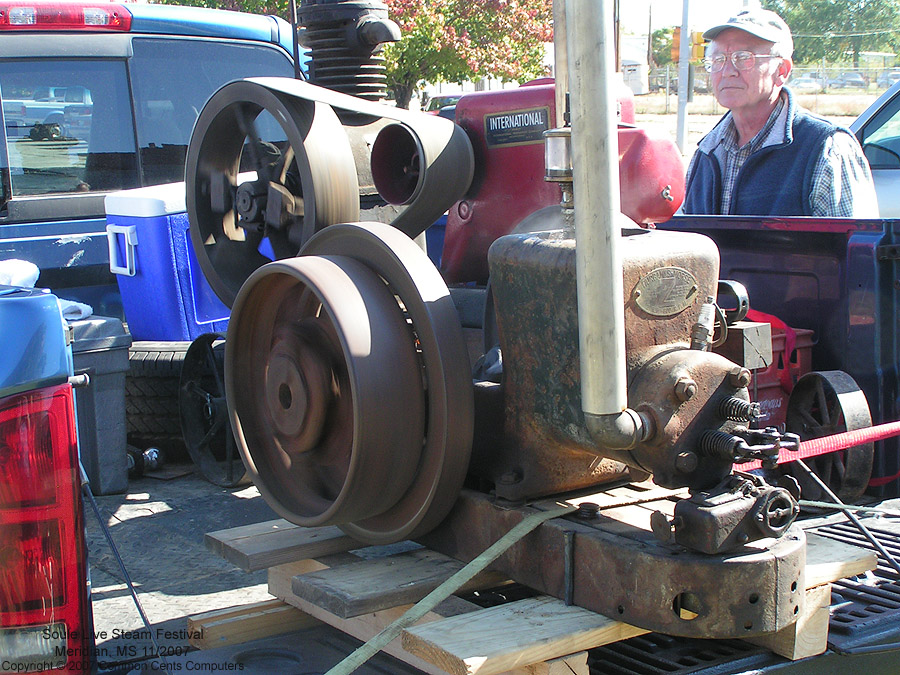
(425, 164)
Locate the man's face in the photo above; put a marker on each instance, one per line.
(746, 90)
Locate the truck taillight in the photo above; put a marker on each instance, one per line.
(34, 14)
(44, 618)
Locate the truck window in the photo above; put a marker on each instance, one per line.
(881, 137)
(168, 95)
(56, 145)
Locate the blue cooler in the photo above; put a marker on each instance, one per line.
(164, 293)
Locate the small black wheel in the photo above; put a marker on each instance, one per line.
(822, 404)
(204, 413)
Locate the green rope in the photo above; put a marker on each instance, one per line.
(445, 590)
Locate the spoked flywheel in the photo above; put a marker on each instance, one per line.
(822, 404)
(264, 172)
(348, 385)
(204, 413)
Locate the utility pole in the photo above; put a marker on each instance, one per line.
(684, 65)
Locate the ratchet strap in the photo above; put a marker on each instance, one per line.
(842, 441)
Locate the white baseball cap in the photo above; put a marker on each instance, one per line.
(762, 23)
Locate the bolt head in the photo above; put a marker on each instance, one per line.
(739, 378)
(686, 462)
(685, 389)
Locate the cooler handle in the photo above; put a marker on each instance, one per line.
(129, 236)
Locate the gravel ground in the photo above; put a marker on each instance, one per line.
(158, 527)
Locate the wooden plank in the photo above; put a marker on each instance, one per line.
(368, 625)
(828, 560)
(263, 545)
(491, 640)
(808, 636)
(235, 625)
(381, 583)
(574, 664)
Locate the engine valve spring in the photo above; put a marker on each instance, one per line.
(719, 444)
(738, 410)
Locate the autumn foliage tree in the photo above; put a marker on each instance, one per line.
(456, 40)
(446, 40)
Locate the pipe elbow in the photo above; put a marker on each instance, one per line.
(374, 31)
(618, 431)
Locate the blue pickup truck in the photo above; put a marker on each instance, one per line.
(121, 87)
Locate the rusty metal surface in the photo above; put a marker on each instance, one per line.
(627, 575)
(319, 359)
(444, 374)
(546, 447)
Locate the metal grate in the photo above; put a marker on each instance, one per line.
(656, 654)
(868, 603)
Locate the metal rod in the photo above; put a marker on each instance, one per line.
(86, 490)
(850, 516)
(569, 560)
(297, 73)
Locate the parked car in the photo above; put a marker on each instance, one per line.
(438, 101)
(887, 78)
(806, 84)
(125, 88)
(850, 80)
(878, 131)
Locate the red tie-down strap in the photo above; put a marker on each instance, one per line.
(847, 439)
(790, 341)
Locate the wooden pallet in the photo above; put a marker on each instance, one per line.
(327, 577)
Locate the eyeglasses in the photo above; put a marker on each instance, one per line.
(742, 60)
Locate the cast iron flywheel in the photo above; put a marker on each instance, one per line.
(264, 172)
(348, 386)
(822, 404)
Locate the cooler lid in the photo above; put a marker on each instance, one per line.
(147, 202)
(98, 333)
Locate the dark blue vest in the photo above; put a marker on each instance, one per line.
(774, 181)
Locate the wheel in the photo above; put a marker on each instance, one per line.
(446, 375)
(822, 404)
(204, 413)
(305, 178)
(323, 383)
(151, 396)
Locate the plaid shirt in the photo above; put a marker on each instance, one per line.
(842, 184)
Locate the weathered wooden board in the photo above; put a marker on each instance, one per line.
(235, 625)
(381, 583)
(492, 640)
(263, 545)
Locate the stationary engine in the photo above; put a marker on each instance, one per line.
(349, 366)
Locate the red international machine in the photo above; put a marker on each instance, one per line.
(507, 133)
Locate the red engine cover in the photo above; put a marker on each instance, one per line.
(506, 128)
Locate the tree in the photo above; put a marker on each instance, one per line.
(277, 7)
(834, 29)
(446, 40)
(661, 45)
(456, 40)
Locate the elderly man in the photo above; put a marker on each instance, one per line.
(767, 155)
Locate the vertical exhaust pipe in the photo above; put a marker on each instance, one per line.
(601, 312)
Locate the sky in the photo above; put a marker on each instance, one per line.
(635, 14)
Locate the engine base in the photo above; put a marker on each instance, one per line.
(615, 565)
